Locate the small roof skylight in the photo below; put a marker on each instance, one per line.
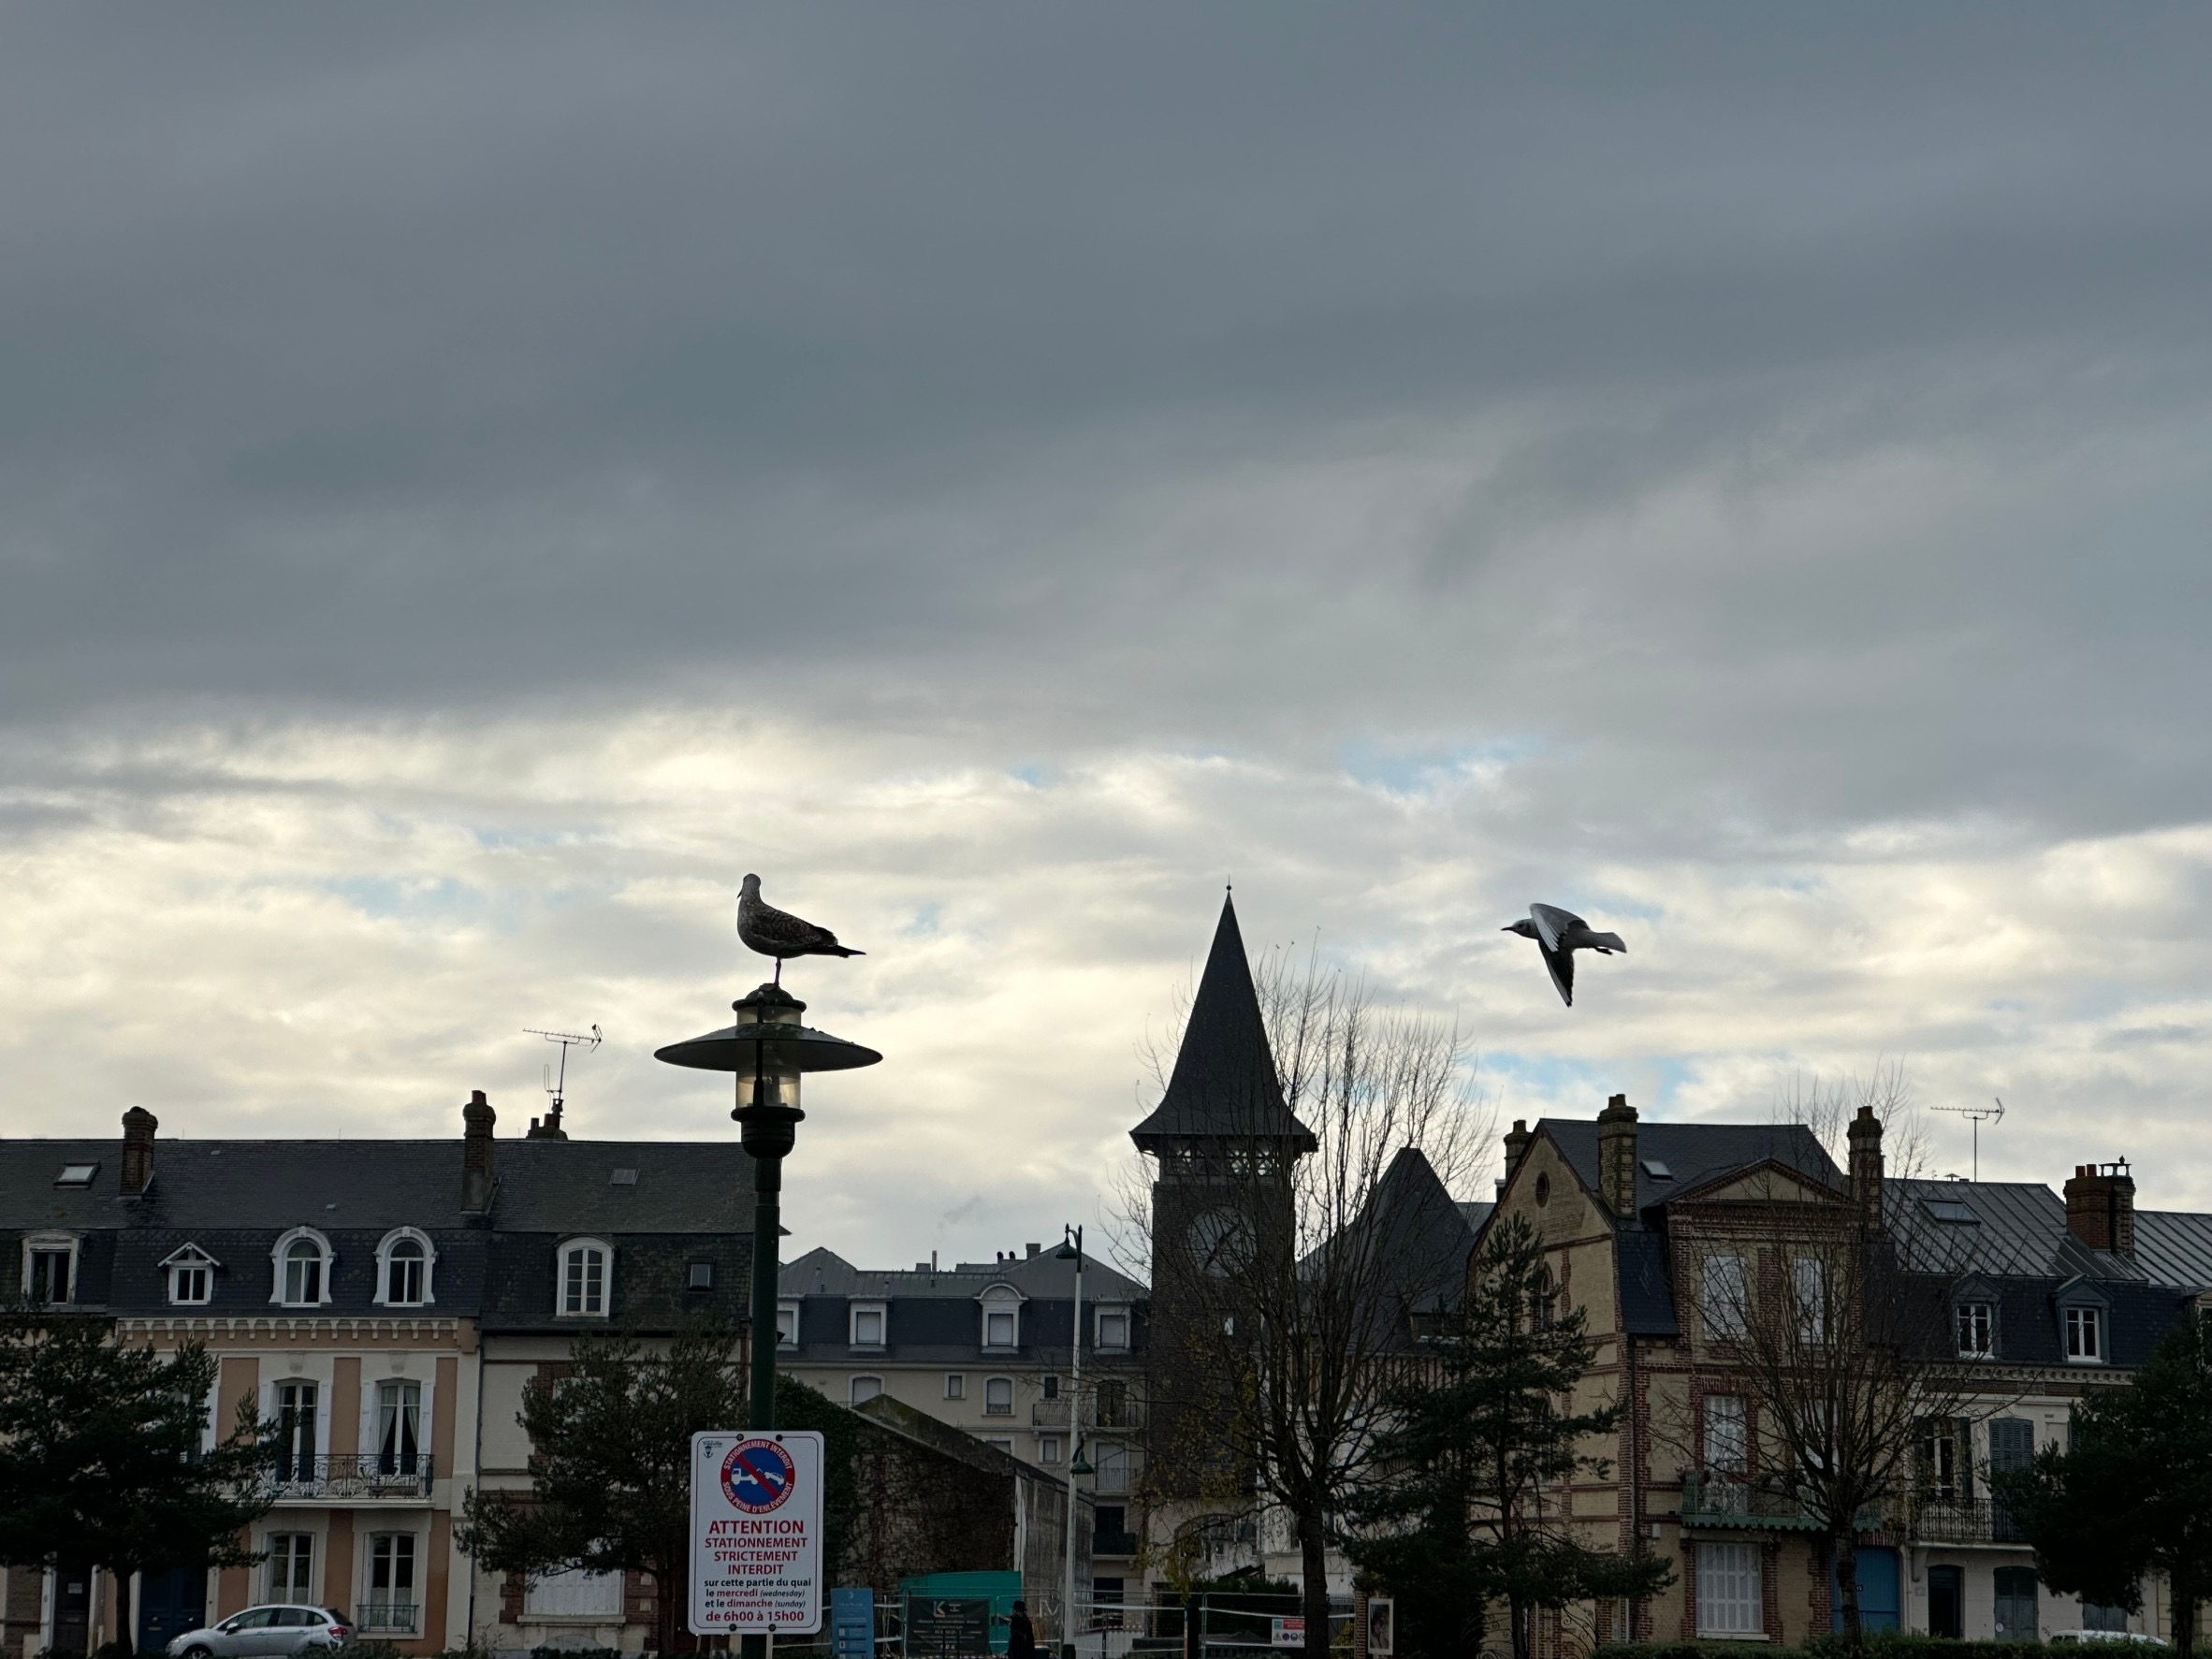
(1954, 1211)
(76, 1175)
(1657, 1170)
(622, 1178)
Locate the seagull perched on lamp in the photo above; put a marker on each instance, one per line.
(1559, 933)
(780, 934)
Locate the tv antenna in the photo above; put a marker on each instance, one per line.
(557, 1086)
(1978, 1115)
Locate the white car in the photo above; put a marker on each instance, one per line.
(276, 1628)
(2110, 1636)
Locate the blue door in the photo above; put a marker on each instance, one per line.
(170, 1602)
(1880, 1602)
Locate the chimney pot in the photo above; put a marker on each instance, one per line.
(2101, 1208)
(137, 1150)
(478, 1118)
(1616, 1155)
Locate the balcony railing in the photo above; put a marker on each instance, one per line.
(384, 1616)
(350, 1476)
(1121, 1543)
(1721, 1498)
(1053, 1414)
(1967, 1520)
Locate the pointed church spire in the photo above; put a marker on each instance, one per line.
(1224, 1085)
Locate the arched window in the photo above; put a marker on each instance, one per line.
(865, 1388)
(999, 1396)
(1002, 1317)
(587, 1268)
(302, 1258)
(404, 1264)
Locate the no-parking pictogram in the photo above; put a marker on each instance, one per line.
(757, 1476)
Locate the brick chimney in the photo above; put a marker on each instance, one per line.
(1616, 1155)
(476, 1170)
(1865, 1136)
(2101, 1207)
(137, 1150)
(1516, 1148)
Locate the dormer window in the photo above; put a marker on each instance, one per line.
(1112, 1329)
(787, 1324)
(302, 1260)
(868, 1322)
(191, 1277)
(586, 1266)
(404, 1264)
(1002, 1317)
(2085, 1335)
(50, 1268)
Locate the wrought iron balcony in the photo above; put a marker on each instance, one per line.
(387, 1617)
(350, 1476)
(1049, 1414)
(1721, 1498)
(1966, 1520)
(1053, 1414)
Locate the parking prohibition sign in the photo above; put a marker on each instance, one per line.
(756, 1532)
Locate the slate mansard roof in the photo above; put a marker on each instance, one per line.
(661, 1204)
(934, 1315)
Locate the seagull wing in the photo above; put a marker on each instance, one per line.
(1562, 964)
(1553, 924)
(781, 928)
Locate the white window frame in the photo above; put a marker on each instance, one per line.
(1724, 1305)
(1731, 1583)
(52, 1244)
(955, 1384)
(1808, 1284)
(1001, 1442)
(1048, 1448)
(383, 1267)
(2081, 1317)
(853, 1394)
(288, 1596)
(1099, 1318)
(280, 1255)
(992, 1410)
(606, 1278)
(416, 1570)
(1964, 1323)
(576, 1595)
(1727, 1434)
(184, 1259)
(787, 1317)
(1001, 1300)
(854, 1313)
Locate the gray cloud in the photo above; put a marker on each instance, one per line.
(1771, 443)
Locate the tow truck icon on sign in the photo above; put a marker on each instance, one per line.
(757, 1476)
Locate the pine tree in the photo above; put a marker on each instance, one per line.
(611, 1464)
(2133, 1492)
(1484, 1439)
(103, 1456)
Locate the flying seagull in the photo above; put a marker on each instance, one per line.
(1559, 933)
(780, 934)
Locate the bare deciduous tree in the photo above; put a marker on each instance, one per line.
(1292, 1245)
(1839, 1327)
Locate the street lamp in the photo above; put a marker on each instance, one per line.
(1072, 1250)
(768, 1051)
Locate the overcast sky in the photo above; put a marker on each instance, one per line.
(477, 480)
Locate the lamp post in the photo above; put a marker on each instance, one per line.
(1072, 1250)
(768, 1051)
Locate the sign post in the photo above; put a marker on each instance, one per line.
(852, 1624)
(756, 1532)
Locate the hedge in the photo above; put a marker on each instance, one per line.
(1879, 1645)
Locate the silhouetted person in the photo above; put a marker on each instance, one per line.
(1021, 1635)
